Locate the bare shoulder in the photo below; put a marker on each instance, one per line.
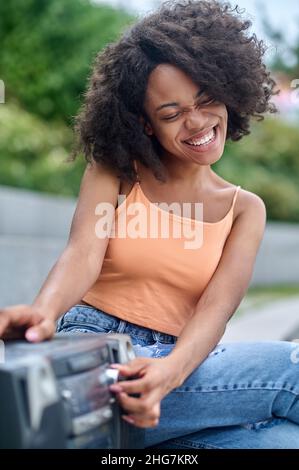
(99, 185)
(98, 170)
(250, 219)
(249, 204)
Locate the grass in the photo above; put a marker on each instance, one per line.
(259, 296)
(280, 290)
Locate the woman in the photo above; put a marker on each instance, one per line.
(161, 104)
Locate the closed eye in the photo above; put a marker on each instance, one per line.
(208, 101)
(170, 117)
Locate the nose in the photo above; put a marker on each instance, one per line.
(196, 118)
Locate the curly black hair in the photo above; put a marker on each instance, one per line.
(205, 39)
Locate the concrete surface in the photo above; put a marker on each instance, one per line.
(278, 320)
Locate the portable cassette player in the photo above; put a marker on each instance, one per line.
(55, 394)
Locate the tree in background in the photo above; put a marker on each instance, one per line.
(286, 58)
(47, 47)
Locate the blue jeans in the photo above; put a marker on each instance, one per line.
(242, 396)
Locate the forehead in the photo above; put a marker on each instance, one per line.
(167, 82)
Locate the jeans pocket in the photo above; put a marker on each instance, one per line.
(86, 319)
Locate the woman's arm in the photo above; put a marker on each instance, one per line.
(77, 268)
(80, 263)
(225, 290)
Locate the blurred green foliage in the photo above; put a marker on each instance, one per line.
(284, 51)
(34, 153)
(46, 57)
(47, 51)
(267, 163)
(47, 47)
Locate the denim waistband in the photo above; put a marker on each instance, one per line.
(87, 316)
(144, 333)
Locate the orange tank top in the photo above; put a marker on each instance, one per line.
(157, 263)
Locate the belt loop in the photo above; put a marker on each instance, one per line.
(164, 337)
(155, 335)
(122, 326)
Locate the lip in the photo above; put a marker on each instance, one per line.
(201, 134)
(207, 147)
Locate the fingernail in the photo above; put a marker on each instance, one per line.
(115, 365)
(115, 388)
(128, 419)
(32, 335)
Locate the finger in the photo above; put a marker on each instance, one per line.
(17, 316)
(133, 386)
(134, 367)
(141, 422)
(135, 405)
(148, 417)
(130, 404)
(129, 419)
(43, 330)
(4, 322)
(13, 333)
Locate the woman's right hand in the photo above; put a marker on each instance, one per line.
(25, 321)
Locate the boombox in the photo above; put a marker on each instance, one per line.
(55, 394)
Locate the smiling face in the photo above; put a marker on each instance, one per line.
(188, 123)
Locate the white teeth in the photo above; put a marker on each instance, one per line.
(208, 137)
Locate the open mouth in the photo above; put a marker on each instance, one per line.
(206, 140)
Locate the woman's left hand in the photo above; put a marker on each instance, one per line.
(155, 379)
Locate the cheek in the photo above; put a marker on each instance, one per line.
(224, 114)
(166, 134)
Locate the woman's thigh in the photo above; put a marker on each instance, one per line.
(275, 433)
(238, 383)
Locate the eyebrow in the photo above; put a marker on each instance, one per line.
(166, 105)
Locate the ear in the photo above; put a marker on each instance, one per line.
(146, 126)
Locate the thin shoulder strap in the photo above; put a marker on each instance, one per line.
(235, 197)
(135, 166)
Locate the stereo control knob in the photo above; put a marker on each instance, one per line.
(108, 377)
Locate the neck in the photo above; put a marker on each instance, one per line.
(182, 172)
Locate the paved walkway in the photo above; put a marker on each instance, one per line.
(277, 320)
